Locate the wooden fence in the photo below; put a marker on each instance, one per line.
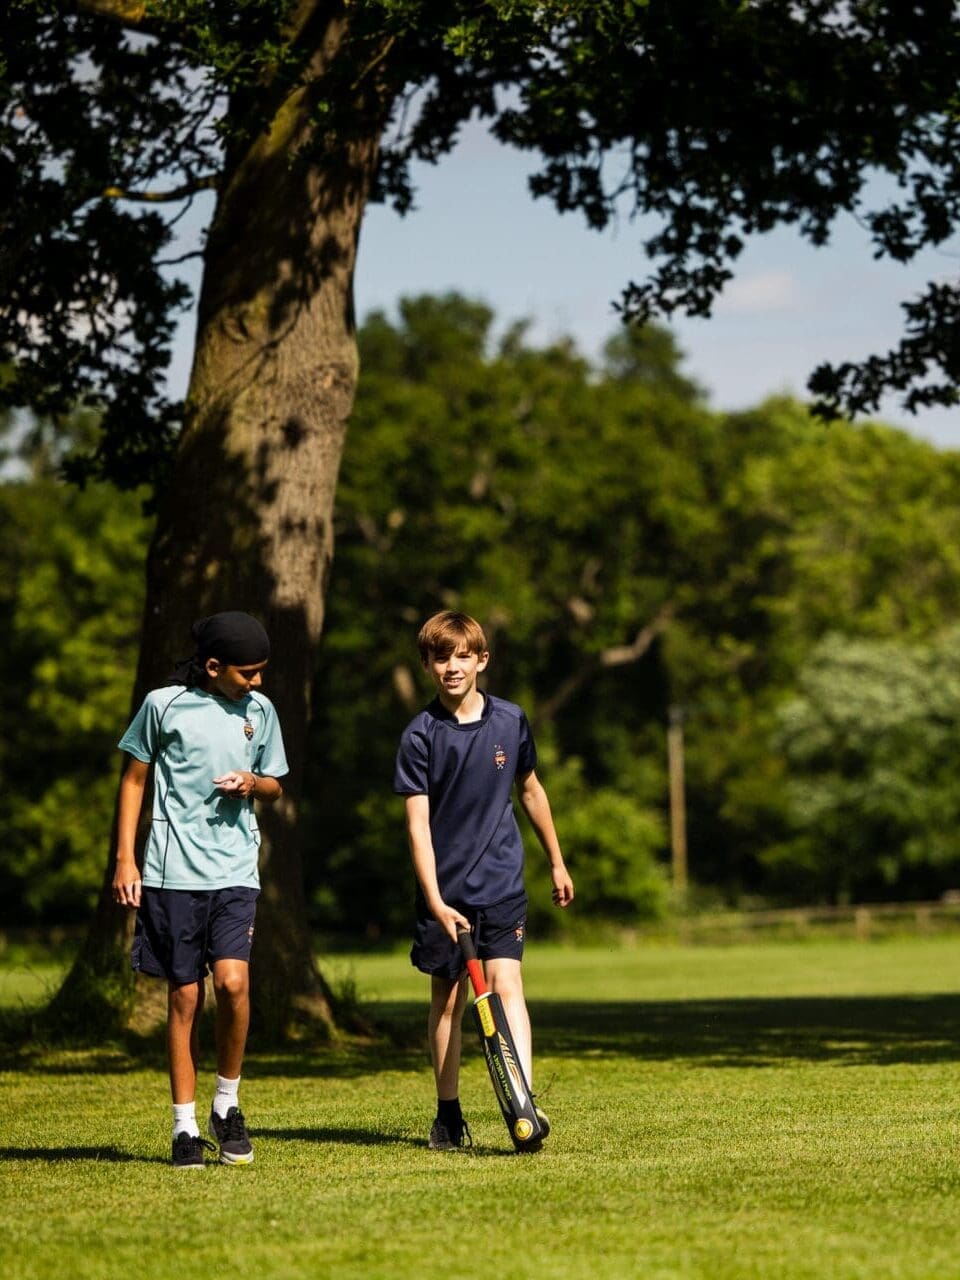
(862, 921)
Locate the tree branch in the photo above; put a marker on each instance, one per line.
(377, 58)
(616, 656)
(133, 14)
(184, 257)
(207, 183)
(620, 655)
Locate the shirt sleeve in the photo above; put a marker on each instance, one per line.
(411, 771)
(526, 748)
(141, 737)
(271, 758)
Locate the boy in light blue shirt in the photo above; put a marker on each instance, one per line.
(214, 744)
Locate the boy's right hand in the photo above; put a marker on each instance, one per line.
(127, 884)
(450, 918)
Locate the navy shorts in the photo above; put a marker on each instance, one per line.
(180, 932)
(498, 934)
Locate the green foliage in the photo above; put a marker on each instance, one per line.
(827, 529)
(870, 744)
(570, 508)
(713, 120)
(87, 314)
(613, 845)
(627, 551)
(575, 511)
(70, 605)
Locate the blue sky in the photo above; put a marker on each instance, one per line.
(790, 306)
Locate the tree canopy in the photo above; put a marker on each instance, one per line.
(715, 120)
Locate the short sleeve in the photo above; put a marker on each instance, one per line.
(141, 737)
(411, 770)
(271, 758)
(526, 748)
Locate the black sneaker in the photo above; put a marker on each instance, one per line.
(188, 1150)
(231, 1133)
(443, 1138)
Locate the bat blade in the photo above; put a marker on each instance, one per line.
(503, 1063)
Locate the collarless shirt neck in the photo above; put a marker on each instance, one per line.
(448, 718)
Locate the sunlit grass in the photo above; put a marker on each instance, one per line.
(724, 1113)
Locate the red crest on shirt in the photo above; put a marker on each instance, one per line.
(499, 757)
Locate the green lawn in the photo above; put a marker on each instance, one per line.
(726, 1113)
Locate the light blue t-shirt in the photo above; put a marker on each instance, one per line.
(200, 838)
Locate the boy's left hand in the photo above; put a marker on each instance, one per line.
(235, 784)
(562, 886)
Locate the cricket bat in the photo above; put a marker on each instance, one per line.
(499, 1051)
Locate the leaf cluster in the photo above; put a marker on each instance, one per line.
(870, 741)
(86, 311)
(706, 122)
(70, 607)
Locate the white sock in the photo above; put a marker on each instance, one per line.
(226, 1095)
(185, 1119)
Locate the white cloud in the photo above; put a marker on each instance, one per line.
(766, 291)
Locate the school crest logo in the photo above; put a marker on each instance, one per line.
(247, 730)
(499, 757)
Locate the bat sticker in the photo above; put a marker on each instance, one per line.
(500, 1054)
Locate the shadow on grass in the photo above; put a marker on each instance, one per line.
(53, 1155)
(372, 1138)
(855, 1031)
(729, 1032)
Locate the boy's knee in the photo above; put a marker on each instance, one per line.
(447, 995)
(505, 978)
(231, 981)
(184, 1001)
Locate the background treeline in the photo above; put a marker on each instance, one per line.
(792, 587)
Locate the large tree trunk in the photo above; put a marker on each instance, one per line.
(246, 520)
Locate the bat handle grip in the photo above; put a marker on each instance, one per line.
(465, 938)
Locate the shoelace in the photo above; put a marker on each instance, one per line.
(234, 1128)
(193, 1142)
(465, 1138)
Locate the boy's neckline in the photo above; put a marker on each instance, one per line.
(453, 718)
(219, 697)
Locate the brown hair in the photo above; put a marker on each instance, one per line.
(446, 631)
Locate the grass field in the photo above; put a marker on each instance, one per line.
(788, 1110)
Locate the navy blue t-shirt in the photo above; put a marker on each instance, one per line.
(467, 771)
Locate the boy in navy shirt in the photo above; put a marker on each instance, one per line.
(456, 766)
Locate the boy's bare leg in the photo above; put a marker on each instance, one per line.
(505, 978)
(447, 999)
(231, 983)
(184, 1007)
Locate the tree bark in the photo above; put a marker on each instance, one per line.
(246, 520)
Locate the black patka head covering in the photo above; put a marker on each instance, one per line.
(234, 637)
